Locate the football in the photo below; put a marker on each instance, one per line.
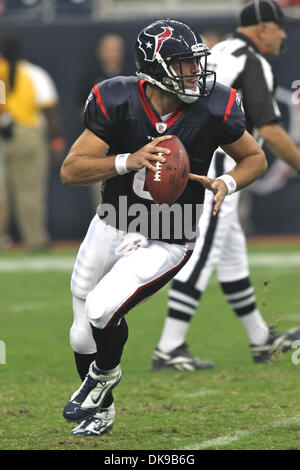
(168, 183)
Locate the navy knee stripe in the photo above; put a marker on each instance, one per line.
(235, 286)
(178, 305)
(186, 288)
(243, 290)
(245, 310)
(179, 315)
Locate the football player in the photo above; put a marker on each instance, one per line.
(117, 266)
(239, 62)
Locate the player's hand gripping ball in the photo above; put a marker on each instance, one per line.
(168, 183)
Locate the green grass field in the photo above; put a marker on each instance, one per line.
(237, 405)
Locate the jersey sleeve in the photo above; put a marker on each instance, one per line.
(233, 124)
(96, 117)
(257, 88)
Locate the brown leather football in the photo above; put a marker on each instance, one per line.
(168, 183)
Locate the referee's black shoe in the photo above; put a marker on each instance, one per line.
(278, 342)
(178, 359)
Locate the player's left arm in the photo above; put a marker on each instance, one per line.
(250, 160)
(236, 142)
(251, 163)
(280, 143)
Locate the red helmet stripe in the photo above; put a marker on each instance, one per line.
(162, 37)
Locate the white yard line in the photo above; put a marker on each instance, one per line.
(65, 263)
(200, 393)
(31, 306)
(273, 259)
(17, 308)
(37, 264)
(220, 441)
(240, 434)
(291, 317)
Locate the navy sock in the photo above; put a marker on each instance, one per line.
(110, 343)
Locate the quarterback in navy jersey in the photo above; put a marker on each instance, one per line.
(126, 119)
(119, 112)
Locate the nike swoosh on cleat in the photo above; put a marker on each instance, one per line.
(97, 399)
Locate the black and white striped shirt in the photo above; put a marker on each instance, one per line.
(239, 65)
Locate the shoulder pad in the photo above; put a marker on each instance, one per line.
(218, 100)
(115, 92)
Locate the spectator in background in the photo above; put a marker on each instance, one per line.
(110, 60)
(29, 123)
(212, 37)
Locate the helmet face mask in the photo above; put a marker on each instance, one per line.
(168, 42)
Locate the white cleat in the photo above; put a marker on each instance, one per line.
(98, 424)
(87, 400)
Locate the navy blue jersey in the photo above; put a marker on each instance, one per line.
(119, 112)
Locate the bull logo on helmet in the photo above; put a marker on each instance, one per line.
(150, 44)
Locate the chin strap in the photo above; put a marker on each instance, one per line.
(189, 97)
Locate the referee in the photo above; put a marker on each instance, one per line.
(240, 63)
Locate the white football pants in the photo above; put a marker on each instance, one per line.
(106, 285)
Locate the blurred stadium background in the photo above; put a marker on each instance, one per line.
(60, 35)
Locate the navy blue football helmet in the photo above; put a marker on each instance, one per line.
(165, 41)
